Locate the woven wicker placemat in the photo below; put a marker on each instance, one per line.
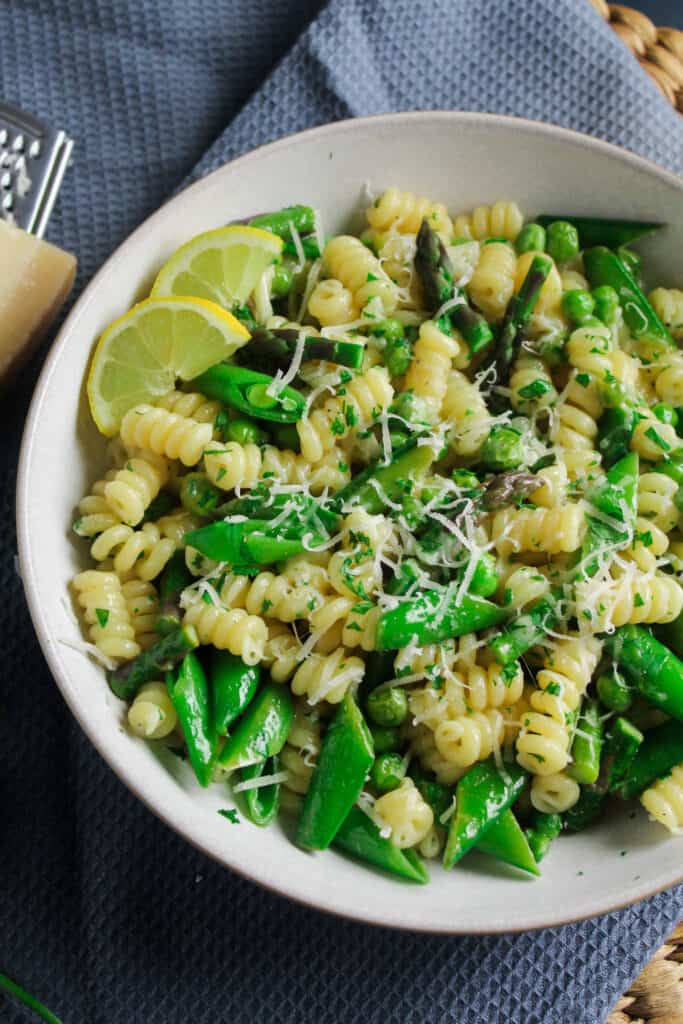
(658, 50)
(656, 996)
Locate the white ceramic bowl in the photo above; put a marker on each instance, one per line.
(463, 160)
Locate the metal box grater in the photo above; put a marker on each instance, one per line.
(33, 158)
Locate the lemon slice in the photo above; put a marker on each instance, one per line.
(140, 356)
(223, 266)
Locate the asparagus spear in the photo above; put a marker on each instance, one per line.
(517, 314)
(435, 271)
(271, 350)
(127, 679)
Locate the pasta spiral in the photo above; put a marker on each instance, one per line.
(574, 428)
(331, 303)
(502, 220)
(232, 630)
(531, 386)
(360, 627)
(492, 283)
(142, 603)
(551, 530)
(407, 814)
(651, 438)
(190, 405)
(554, 794)
(464, 406)
(300, 752)
(470, 738)
(350, 262)
(235, 465)
(152, 714)
(355, 408)
(166, 433)
(104, 609)
(668, 305)
(553, 490)
(663, 800)
(132, 488)
(271, 596)
(424, 748)
(632, 598)
(649, 544)
(327, 677)
(544, 739)
(144, 551)
(95, 514)
(281, 653)
(427, 374)
(404, 212)
(656, 493)
(523, 587)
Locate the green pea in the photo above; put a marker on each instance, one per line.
(397, 356)
(283, 279)
(257, 395)
(631, 261)
(244, 431)
(485, 579)
(665, 413)
(614, 691)
(390, 329)
(387, 772)
(466, 479)
(388, 706)
(531, 238)
(606, 303)
(385, 739)
(563, 241)
(577, 305)
(503, 449)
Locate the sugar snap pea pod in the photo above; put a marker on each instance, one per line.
(506, 841)
(660, 751)
(247, 543)
(346, 756)
(527, 629)
(251, 392)
(435, 271)
(234, 684)
(543, 828)
(438, 796)
(603, 230)
(623, 741)
(517, 316)
(361, 838)
(587, 745)
(613, 690)
(164, 503)
(280, 222)
(602, 267)
(126, 680)
(175, 576)
(271, 350)
(262, 802)
(652, 668)
(198, 495)
(483, 795)
(434, 616)
(615, 431)
(374, 485)
(261, 731)
(189, 691)
(671, 634)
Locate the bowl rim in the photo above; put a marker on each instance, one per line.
(44, 634)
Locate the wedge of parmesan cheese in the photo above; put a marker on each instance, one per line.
(35, 279)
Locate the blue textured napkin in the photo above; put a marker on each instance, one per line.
(104, 912)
